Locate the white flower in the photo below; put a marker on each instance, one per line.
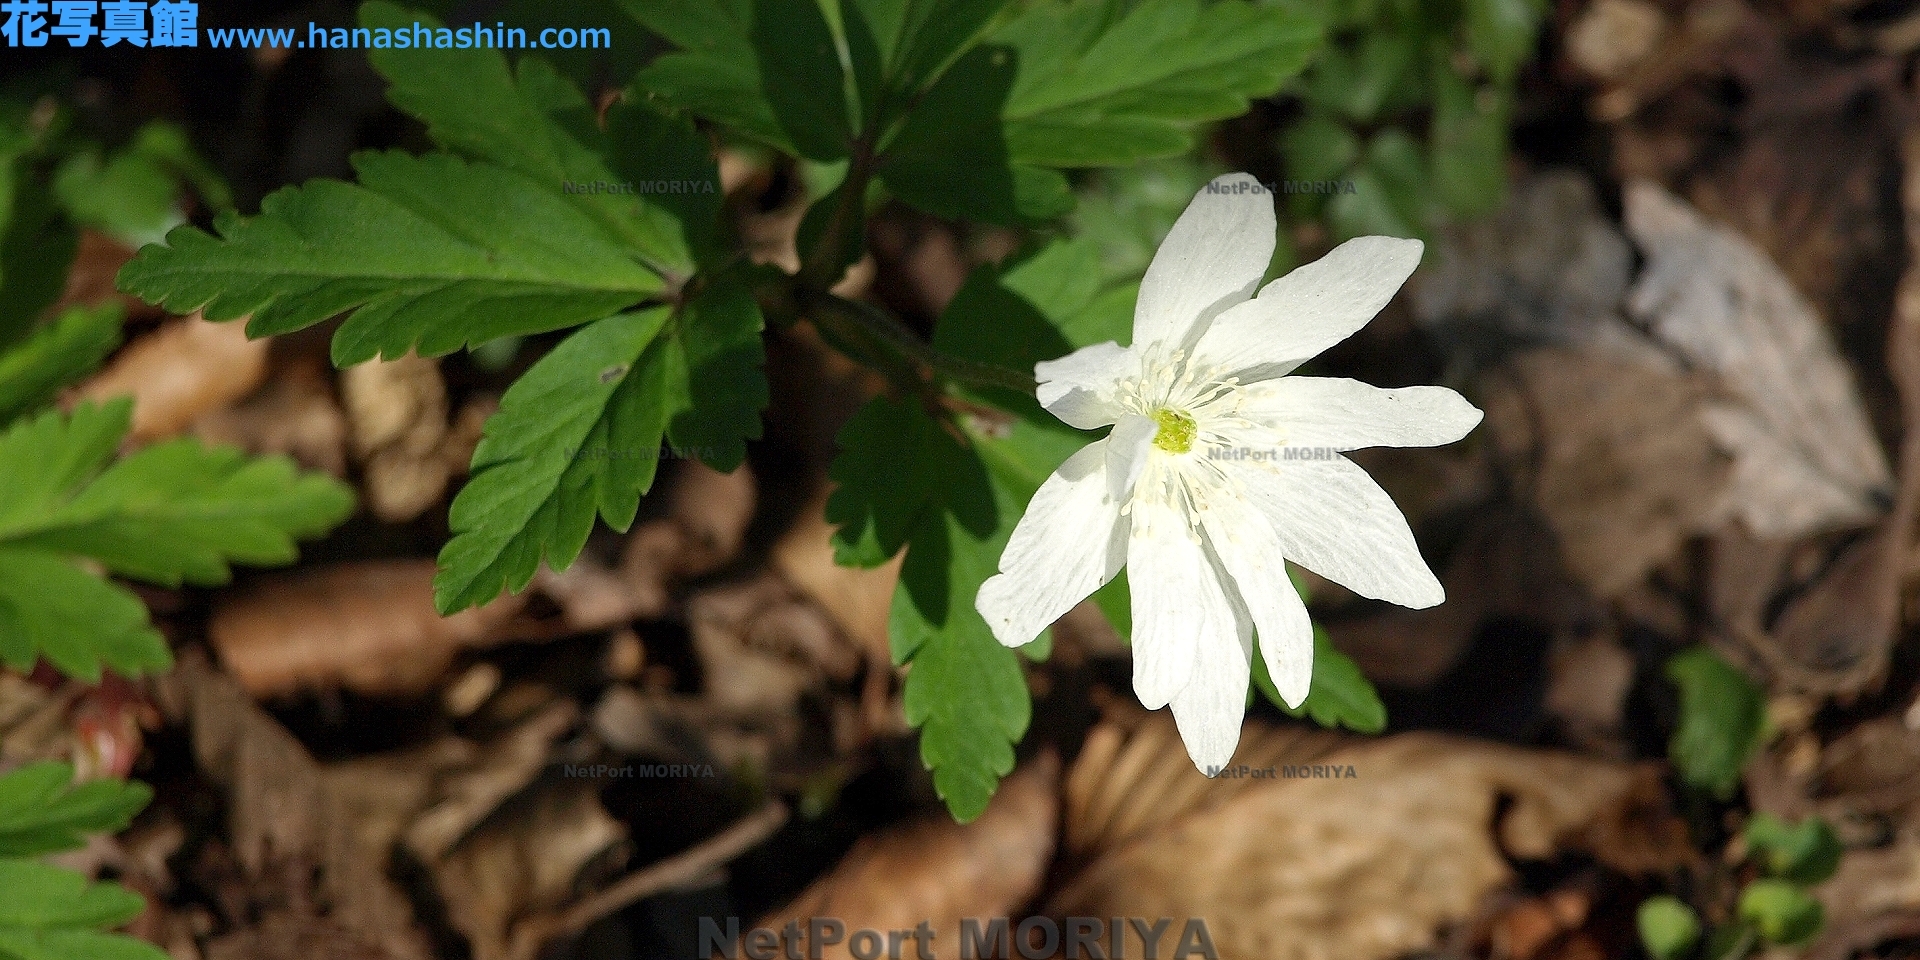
(1220, 468)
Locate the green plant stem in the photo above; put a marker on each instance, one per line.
(869, 323)
(825, 263)
(880, 340)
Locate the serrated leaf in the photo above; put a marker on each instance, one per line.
(536, 123)
(172, 512)
(1722, 720)
(180, 512)
(714, 355)
(41, 897)
(56, 355)
(128, 196)
(579, 436)
(876, 506)
(45, 460)
(915, 40)
(1040, 306)
(771, 69)
(951, 158)
(905, 479)
(54, 914)
(430, 253)
(1126, 212)
(43, 811)
(649, 147)
(1319, 148)
(1102, 84)
(77, 621)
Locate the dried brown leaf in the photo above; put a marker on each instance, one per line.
(703, 530)
(524, 861)
(1806, 458)
(369, 626)
(398, 412)
(1360, 867)
(185, 370)
(280, 809)
(295, 414)
(936, 871)
(1614, 453)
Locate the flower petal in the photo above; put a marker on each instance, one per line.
(1127, 449)
(1080, 388)
(1331, 518)
(1213, 258)
(1250, 553)
(1341, 414)
(1210, 709)
(1048, 566)
(1303, 313)
(1178, 600)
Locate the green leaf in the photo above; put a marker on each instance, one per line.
(58, 354)
(1785, 914)
(1806, 853)
(43, 811)
(875, 506)
(40, 897)
(180, 512)
(916, 40)
(1319, 148)
(54, 914)
(1722, 720)
(1359, 83)
(1126, 212)
(1669, 929)
(169, 513)
(1099, 84)
(1399, 164)
(951, 158)
(772, 69)
(77, 621)
(1041, 306)
(650, 148)
(1369, 210)
(1339, 694)
(134, 194)
(905, 479)
(1500, 33)
(1469, 145)
(430, 253)
(36, 250)
(579, 435)
(76, 945)
(537, 124)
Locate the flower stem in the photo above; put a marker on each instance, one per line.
(878, 326)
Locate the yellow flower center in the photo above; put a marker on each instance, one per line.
(1176, 431)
